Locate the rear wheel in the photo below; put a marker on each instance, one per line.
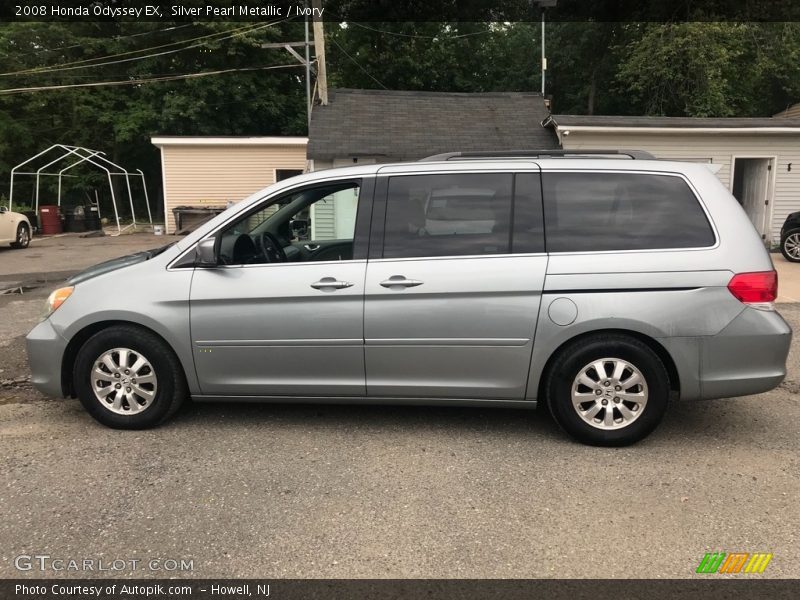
(23, 237)
(790, 246)
(608, 390)
(128, 378)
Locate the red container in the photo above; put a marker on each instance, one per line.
(50, 220)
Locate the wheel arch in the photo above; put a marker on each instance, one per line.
(77, 341)
(652, 343)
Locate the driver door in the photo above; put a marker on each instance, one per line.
(291, 328)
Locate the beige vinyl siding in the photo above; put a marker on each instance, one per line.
(213, 175)
(720, 150)
(792, 111)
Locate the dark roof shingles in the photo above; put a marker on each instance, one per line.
(404, 125)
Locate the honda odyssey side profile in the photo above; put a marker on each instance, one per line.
(603, 287)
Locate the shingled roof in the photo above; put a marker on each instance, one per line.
(403, 125)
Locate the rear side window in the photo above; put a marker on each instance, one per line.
(589, 212)
(448, 215)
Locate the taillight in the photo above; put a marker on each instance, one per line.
(755, 288)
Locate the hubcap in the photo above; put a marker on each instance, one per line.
(792, 245)
(23, 236)
(609, 393)
(124, 381)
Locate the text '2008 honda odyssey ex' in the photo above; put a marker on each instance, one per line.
(601, 286)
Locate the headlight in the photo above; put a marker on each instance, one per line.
(58, 297)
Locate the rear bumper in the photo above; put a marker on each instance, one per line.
(45, 353)
(747, 357)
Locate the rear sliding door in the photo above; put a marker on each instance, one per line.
(452, 290)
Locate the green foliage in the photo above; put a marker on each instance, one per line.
(676, 69)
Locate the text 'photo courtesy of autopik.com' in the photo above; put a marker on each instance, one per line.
(391, 299)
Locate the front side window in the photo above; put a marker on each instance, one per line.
(314, 224)
(448, 215)
(591, 212)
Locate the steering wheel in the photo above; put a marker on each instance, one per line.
(271, 248)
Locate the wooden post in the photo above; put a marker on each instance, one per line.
(319, 49)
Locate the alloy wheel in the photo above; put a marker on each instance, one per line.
(124, 381)
(792, 245)
(609, 393)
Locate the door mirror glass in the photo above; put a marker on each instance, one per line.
(206, 254)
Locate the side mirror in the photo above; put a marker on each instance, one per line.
(3, 209)
(206, 254)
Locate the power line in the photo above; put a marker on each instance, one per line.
(116, 37)
(78, 64)
(355, 62)
(14, 91)
(418, 36)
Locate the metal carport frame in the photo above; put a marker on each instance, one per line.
(93, 157)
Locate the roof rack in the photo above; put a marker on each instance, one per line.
(547, 153)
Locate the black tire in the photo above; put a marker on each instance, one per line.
(171, 390)
(786, 237)
(23, 237)
(571, 361)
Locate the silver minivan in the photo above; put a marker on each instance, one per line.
(602, 285)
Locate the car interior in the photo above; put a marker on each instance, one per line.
(284, 230)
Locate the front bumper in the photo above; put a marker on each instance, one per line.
(45, 354)
(747, 357)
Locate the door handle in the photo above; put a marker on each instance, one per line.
(400, 281)
(311, 247)
(330, 283)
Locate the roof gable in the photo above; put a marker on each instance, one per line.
(407, 125)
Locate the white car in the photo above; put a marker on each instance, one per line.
(15, 229)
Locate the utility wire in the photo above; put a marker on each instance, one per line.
(78, 64)
(441, 37)
(355, 62)
(116, 37)
(14, 91)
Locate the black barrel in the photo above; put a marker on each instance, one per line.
(33, 218)
(75, 219)
(91, 217)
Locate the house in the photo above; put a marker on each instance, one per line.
(376, 126)
(757, 159)
(210, 172)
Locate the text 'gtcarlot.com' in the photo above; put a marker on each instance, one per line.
(45, 562)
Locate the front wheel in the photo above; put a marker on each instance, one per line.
(23, 237)
(608, 390)
(790, 246)
(128, 378)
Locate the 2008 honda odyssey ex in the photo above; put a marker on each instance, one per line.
(602, 286)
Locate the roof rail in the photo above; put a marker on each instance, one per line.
(547, 153)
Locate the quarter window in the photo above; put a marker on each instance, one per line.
(589, 212)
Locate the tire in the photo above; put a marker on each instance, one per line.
(23, 237)
(140, 403)
(790, 245)
(623, 392)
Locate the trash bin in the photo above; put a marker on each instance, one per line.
(75, 219)
(50, 218)
(189, 217)
(92, 216)
(33, 219)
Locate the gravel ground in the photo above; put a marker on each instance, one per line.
(323, 491)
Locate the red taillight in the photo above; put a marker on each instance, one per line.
(755, 288)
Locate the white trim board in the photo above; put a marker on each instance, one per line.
(229, 141)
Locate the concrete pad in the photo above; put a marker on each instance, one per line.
(788, 279)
